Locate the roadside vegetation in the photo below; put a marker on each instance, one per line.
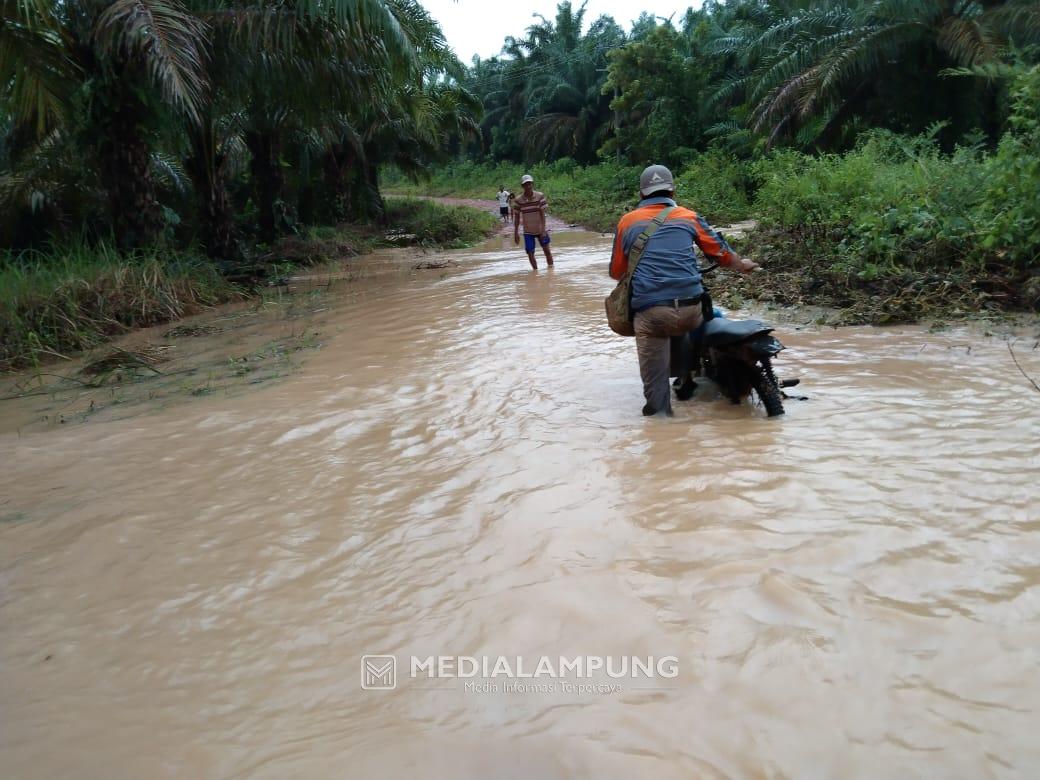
(592, 196)
(72, 298)
(893, 230)
(889, 150)
(65, 299)
(157, 156)
(429, 224)
(154, 151)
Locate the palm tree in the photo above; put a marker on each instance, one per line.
(817, 69)
(208, 78)
(418, 113)
(268, 51)
(500, 85)
(556, 76)
(129, 61)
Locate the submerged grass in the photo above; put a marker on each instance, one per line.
(75, 297)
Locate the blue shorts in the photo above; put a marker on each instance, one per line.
(529, 239)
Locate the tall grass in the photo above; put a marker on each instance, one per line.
(70, 298)
(74, 297)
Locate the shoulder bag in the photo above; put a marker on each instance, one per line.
(619, 302)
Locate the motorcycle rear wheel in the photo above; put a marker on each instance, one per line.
(765, 385)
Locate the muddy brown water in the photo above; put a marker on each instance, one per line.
(461, 469)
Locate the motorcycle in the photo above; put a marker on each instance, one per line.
(737, 355)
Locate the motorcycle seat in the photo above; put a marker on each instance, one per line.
(720, 332)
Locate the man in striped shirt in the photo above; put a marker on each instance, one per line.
(530, 209)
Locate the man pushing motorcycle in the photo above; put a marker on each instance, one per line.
(666, 284)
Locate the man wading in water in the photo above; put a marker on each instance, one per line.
(530, 207)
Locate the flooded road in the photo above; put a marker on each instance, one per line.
(852, 590)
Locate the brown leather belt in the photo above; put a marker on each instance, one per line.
(677, 303)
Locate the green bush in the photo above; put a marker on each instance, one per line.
(891, 208)
(1011, 203)
(714, 185)
(892, 203)
(463, 179)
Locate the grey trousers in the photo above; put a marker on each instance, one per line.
(654, 327)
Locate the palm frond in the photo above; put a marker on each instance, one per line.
(729, 88)
(966, 41)
(37, 77)
(377, 16)
(168, 40)
(819, 74)
(168, 171)
(1015, 22)
(989, 71)
(39, 179)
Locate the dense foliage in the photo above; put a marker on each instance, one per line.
(749, 75)
(146, 145)
(891, 209)
(214, 120)
(878, 138)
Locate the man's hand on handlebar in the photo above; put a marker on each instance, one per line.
(745, 265)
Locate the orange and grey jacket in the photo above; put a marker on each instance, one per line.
(668, 267)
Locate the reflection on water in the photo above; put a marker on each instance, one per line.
(462, 469)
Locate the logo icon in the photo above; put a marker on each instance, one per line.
(656, 178)
(378, 672)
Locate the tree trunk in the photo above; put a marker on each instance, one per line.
(267, 180)
(126, 170)
(337, 164)
(206, 166)
(219, 235)
(374, 201)
(217, 216)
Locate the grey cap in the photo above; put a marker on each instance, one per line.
(654, 179)
(526, 178)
